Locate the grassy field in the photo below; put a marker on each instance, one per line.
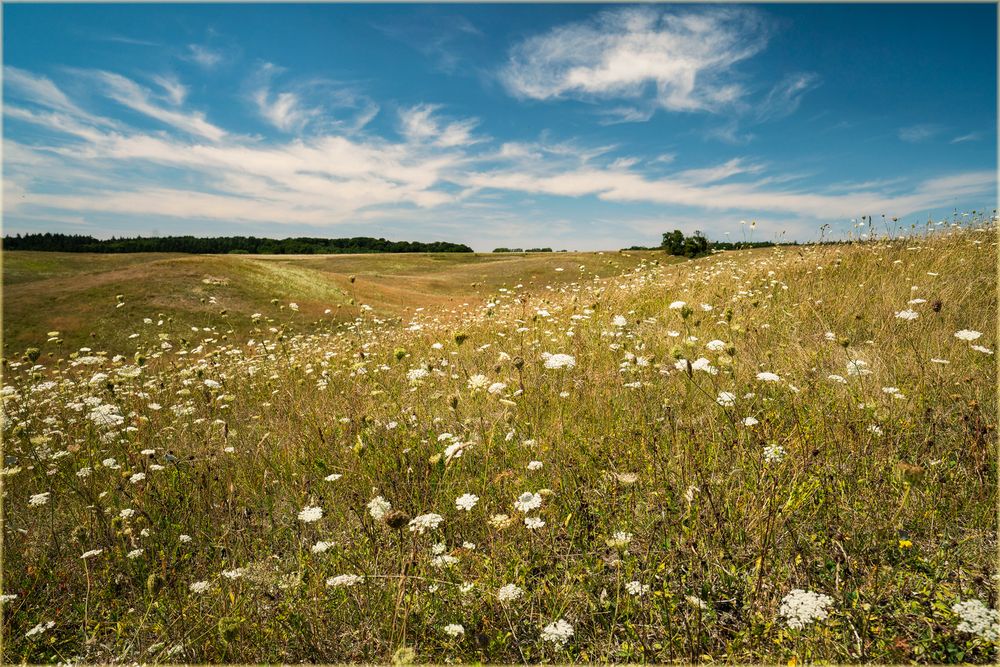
(783, 455)
(71, 293)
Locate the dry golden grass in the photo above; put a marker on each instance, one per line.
(674, 526)
(71, 292)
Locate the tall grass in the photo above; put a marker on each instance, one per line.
(780, 429)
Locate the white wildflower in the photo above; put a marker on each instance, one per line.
(557, 361)
(558, 633)
(774, 454)
(466, 501)
(636, 588)
(199, 587)
(321, 547)
(509, 593)
(344, 580)
(528, 501)
(422, 523)
(533, 522)
(478, 382)
(967, 335)
(726, 399)
(310, 514)
(978, 619)
(620, 539)
(378, 507)
(800, 608)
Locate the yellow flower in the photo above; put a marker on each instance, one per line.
(905, 544)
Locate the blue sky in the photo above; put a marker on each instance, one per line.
(572, 126)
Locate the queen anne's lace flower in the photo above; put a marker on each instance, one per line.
(378, 507)
(424, 522)
(557, 361)
(478, 382)
(978, 619)
(967, 335)
(558, 633)
(416, 375)
(509, 593)
(466, 501)
(311, 514)
(454, 630)
(636, 588)
(801, 608)
(344, 580)
(527, 501)
(199, 587)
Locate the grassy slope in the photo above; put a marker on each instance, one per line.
(75, 293)
(887, 505)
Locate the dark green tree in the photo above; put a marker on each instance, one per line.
(673, 242)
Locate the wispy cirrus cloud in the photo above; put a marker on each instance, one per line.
(327, 174)
(786, 96)
(914, 134)
(971, 136)
(311, 102)
(632, 187)
(315, 180)
(422, 124)
(175, 91)
(206, 56)
(434, 35)
(284, 110)
(130, 94)
(679, 60)
(40, 90)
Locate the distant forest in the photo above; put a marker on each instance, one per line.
(223, 245)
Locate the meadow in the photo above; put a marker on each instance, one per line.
(776, 455)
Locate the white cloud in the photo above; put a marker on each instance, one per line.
(283, 110)
(720, 172)
(419, 124)
(203, 55)
(680, 189)
(786, 96)
(175, 91)
(971, 136)
(192, 170)
(41, 91)
(308, 103)
(917, 133)
(138, 98)
(324, 179)
(682, 59)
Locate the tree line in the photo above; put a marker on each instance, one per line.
(696, 245)
(523, 250)
(223, 245)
